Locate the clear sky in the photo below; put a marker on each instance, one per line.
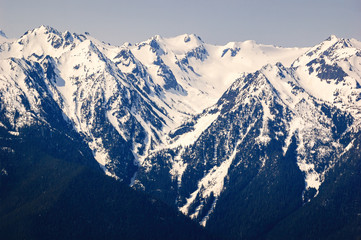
(277, 22)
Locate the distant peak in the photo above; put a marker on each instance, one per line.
(45, 30)
(127, 44)
(2, 34)
(156, 37)
(331, 38)
(250, 42)
(189, 37)
(152, 40)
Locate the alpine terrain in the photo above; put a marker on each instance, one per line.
(251, 141)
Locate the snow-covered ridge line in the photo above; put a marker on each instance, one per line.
(182, 55)
(164, 93)
(315, 120)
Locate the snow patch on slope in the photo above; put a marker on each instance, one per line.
(190, 137)
(211, 184)
(178, 168)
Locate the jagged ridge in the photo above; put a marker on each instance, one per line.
(194, 121)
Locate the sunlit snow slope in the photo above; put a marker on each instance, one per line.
(150, 87)
(186, 121)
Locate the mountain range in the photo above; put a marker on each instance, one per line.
(251, 141)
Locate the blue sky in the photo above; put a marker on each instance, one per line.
(277, 22)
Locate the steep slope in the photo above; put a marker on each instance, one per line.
(335, 213)
(57, 191)
(133, 95)
(238, 137)
(93, 95)
(334, 67)
(251, 122)
(204, 71)
(264, 150)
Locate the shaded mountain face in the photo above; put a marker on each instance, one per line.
(335, 212)
(240, 137)
(52, 188)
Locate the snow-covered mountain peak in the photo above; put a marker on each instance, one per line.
(156, 85)
(191, 115)
(46, 29)
(191, 37)
(179, 45)
(332, 38)
(3, 37)
(2, 34)
(249, 43)
(331, 71)
(355, 43)
(126, 45)
(48, 34)
(188, 41)
(40, 42)
(332, 48)
(156, 37)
